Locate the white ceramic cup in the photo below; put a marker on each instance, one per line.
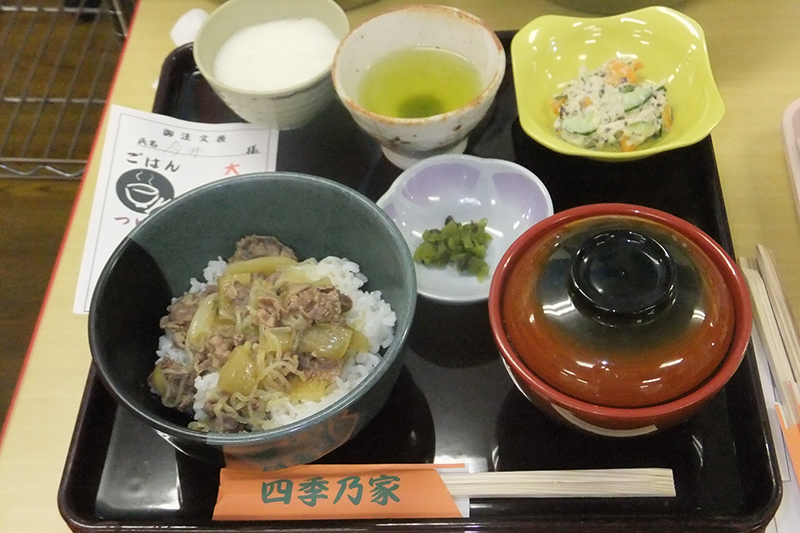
(407, 140)
(287, 108)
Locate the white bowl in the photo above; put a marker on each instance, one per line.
(407, 140)
(468, 188)
(286, 108)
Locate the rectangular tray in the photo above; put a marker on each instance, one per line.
(454, 400)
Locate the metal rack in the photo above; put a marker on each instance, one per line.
(57, 62)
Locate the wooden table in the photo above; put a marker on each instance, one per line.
(755, 55)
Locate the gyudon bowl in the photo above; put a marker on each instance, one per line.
(254, 312)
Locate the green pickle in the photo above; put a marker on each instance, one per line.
(462, 246)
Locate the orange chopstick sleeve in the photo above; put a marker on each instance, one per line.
(791, 436)
(311, 492)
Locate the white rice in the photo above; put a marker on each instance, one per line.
(167, 349)
(203, 384)
(355, 370)
(370, 315)
(211, 272)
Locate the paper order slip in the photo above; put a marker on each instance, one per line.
(147, 161)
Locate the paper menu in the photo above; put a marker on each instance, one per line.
(150, 159)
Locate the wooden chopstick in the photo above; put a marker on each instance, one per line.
(598, 483)
(783, 315)
(767, 325)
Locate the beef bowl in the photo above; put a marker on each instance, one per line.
(617, 319)
(261, 317)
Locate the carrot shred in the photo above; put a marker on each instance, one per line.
(619, 70)
(556, 104)
(666, 116)
(626, 145)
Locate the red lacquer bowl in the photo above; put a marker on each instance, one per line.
(620, 320)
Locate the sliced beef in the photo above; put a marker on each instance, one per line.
(269, 311)
(318, 304)
(180, 314)
(217, 350)
(224, 423)
(180, 385)
(346, 302)
(260, 246)
(181, 311)
(179, 317)
(238, 294)
(321, 367)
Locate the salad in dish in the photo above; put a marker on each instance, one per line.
(612, 107)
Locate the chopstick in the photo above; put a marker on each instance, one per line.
(773, 342)
(599, 483)
(783, 315)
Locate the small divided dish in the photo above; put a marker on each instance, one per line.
(468, 188)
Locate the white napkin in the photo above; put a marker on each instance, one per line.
(186, 28)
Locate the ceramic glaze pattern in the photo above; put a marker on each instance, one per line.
(444, 182)
(515, 192)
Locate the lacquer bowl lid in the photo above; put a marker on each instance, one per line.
(618, 306)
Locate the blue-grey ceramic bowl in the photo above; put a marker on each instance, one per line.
(315, 216)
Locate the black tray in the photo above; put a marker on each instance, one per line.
(454, 401)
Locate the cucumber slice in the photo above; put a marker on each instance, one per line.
(643, 130)
(581, 124)
(635, 98)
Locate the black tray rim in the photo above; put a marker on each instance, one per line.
(756, 520)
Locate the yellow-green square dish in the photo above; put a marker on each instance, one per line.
(547, 52)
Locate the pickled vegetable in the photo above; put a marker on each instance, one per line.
(239, 373)
(202, 321)
(227, 290)
(312, 389)
(462, 246)
(264, 265)
(326, 340)
(159, 381)
(291, 276)
(359, 343)
(276, 340)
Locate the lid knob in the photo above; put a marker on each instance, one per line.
(622, 277)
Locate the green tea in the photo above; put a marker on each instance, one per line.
(419, 82)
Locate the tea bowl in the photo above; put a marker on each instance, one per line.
(406, 140)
